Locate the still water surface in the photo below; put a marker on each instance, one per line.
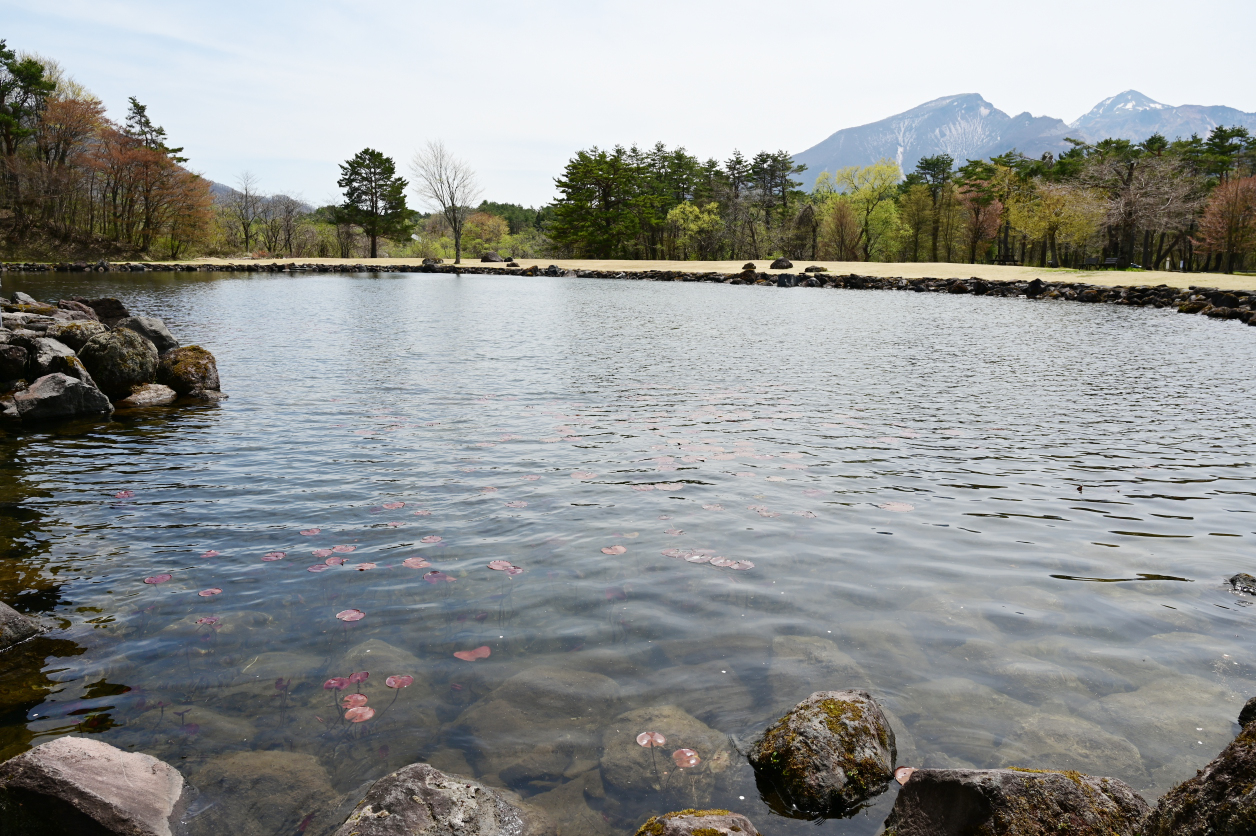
(1009, 520)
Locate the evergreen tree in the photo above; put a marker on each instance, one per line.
(375, 196)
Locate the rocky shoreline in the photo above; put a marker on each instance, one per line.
(84, 358)
(1211, 302)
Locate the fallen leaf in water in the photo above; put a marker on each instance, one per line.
(343, 549)
(156, 579)
(651, 739)
(482, 652)
(903, 774)
(402, 681)
(210, 553)
(349, 615)
(353, 700)
(698, 558)
(431, 538)
(269, 556)
(213, 590)
(901, 507)
(686, 758)
(614, 549)
(670, 552)
(310, 532)
(515, 570)
(415, 563)
(360, 714)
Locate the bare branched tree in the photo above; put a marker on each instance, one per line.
(244, 205)
(446, 185)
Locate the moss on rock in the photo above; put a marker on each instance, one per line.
(189, 370)
(119, 361)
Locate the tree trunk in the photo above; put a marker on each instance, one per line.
(374, 239)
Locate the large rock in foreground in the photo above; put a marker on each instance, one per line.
(15, 627)
(83, 786)
(57, 396)
(119, 361)
(698, 823)
(1221, 799)
(190, 370)
(829, 754)
(1012, 802)
(419, 800)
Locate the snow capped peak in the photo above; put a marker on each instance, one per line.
(1131, 101)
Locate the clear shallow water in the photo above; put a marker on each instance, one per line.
(902, 470)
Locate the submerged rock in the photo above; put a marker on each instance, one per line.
(1070, 743)
(264, 793)
(15, 627)
(1220, 799)
(1009, 802)
(698, 823)
(152, 329)
(419, 800)
(84, 786)
(829, 754)
(803, 665)
(58, 396)
(190, 370)
(119, 361)
(629, 767)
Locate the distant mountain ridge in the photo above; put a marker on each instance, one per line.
(968, 128)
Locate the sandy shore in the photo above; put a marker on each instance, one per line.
(917, 270)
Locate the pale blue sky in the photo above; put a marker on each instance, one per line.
(289, 89)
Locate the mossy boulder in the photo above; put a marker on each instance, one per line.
(153, 329)
(190, 370)
(75, 334)
(1220, 799)
(119, 361)
(15, 627)
(698, 823)
(1014, 802)
(831, 753)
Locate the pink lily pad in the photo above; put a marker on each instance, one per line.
(900, 507)
(337, 683)
(403, 681)
(482, 652)
(423, 513)
(514, 570)
(583, 474)
(741, 564)
(343, 549)
(351, 615)
(363, 567)
(353, 700)
(685, 758)
(438, 577)
(317, 567)
(643, 487)
(394, 524)
(156, 579)
(211, 553)
(360, 676)
(334, 561)
(671, 552)
(415, 563)
(698, 558)
(431, 538)
(322, 552)
(518, 503)
(213, 590)
(651, 739)
(614, 550)
(393, 506)
(211, 620)
(310, 532)
(500, 565)
(271, 556)
(722, 561)
(360, 714)
(124, 495)
(674, 532)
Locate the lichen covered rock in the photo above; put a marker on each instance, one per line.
(1014, 802)
(419, 800)
(57, 396)
(119, 361)
(698, 823)
(15, 627)
(152, 329)
(1221, 799)
(829, 754)
(150, 394)
(190, 370)
(75, 334)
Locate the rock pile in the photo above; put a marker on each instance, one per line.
(83, 358)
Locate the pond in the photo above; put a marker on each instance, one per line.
(1011, 521)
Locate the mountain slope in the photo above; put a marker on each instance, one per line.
(1131, 115)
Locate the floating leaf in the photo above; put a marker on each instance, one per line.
(394, 524)
(698, 558)
(322, 552)
(514, 570)
(156, 579)
(353, 700)
(671, 552)
(362, 567)
(438, 577)
(900, 507)
(614, 550)
(213, 590)
(393, 506)
(310, 532)
(744, 475)
(317, 567)
(360, 676)
(651, 739)
(343, 549)
(211, 620)
(269, 556)
(518, 503)
(415, 563)
(500, 565)
(431, 538)
(903, 774)
(685, 758)
(776, 478)
(338, 683)
(741, 564)
(349, 615)
(124, 495)
(334, 561)
(674, 532)
(481, 652)
(423, 513)
(210, 553)
(583, 474)
(360, 714)
(722, 561)
(403, 681)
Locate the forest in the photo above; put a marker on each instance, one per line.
(75, 183)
